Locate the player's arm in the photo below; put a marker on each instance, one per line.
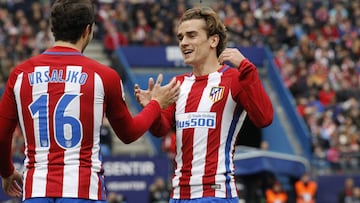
(6, 135)
(11, 179)
(253, 95)
(163, 124)
(249, 90)
(8, 122)
(129, 128)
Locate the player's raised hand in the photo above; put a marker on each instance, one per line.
(144, 96)
(166, 94)
(232, 55)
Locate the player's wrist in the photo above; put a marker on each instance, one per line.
(155, 100)
(8, 173)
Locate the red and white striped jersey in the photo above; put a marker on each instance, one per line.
(59, 98)
(208, 116)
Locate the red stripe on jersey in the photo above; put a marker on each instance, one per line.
(188, 138)
(55, 174)
(187, 158)
(84, 182)
(101, 192)
(29, 183)
(86, 116)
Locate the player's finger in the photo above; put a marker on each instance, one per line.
(151, 84)
(172, 82)
(221, 58)
(136, 88)
(13, 190)
(17, 188)
(159, 79)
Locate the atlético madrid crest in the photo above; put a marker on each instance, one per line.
(216, 93)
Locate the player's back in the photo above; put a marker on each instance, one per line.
(60, 97)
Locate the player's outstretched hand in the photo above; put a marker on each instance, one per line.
(11, 184)
(166, 94)
(232, 55)
(144, 96)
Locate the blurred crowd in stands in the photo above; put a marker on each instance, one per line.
(316, 46)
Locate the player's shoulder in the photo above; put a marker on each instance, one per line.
(230, 72)
(94, 62)
(98, 67)
(230, 69)
(181, 77)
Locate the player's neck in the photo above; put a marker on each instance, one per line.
(207, 67)
(68, 44)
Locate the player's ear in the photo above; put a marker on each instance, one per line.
(214, 40)
(91, 27)
(87, 30)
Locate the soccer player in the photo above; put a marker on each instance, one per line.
(59, 99)
(214, 100)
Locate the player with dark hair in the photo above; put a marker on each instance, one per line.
(59, 98)
(213, 103)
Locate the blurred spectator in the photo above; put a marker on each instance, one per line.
(356, 195)
(305, 189)
(44, 38)
(113, 197)
(338, 13)
(157, 36)
(347, 192)
(141, 30)
(264, 145)
(159, 192)
(319, 161)
(326, 95)
(276, 194)
(333, 157)
(122, 20)
(113, 38)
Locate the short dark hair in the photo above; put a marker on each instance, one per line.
(213, 24)
(69, 19)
